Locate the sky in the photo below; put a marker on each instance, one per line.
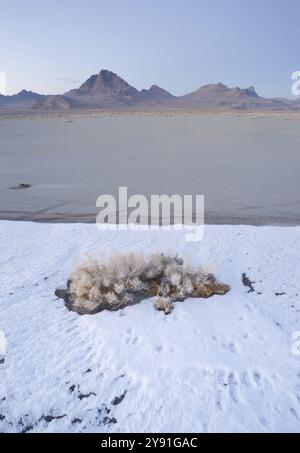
(52, 46)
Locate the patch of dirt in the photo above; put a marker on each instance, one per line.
(118, 399)
(50, 418)
(247, 282)
(75, 421)
(81, 396)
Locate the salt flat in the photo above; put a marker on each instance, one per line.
(227, 364)
(246, 166)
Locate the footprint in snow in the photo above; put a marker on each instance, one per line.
(294, 413)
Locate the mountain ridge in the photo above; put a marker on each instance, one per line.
(108, 91)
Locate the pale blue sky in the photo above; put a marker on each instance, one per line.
(51, 46)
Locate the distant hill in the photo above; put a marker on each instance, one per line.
(56, 102)
(220, 96)
(20, 102)
(105, 89)
(108, 91)
(156, 96)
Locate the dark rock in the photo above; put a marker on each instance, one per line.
(20, 187)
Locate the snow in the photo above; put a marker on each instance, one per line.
(224, 364)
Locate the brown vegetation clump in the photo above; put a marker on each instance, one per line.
(164, 304)
(125, 280)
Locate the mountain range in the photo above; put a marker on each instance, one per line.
(109, 92)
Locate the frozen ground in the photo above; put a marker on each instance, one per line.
(223, 364)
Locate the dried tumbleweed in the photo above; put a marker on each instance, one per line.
(126, 280)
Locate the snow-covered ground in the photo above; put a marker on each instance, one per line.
(223, 364)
